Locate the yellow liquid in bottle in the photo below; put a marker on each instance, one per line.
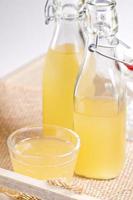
(60, 72)
(102, 138)
(33, 158)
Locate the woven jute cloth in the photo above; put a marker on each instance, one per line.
(20, 107)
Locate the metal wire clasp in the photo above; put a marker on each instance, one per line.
(94, 48)
(49, 11)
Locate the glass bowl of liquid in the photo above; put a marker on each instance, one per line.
(44, 153)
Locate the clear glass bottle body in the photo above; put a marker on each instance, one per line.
(61, 67)
(99, 116)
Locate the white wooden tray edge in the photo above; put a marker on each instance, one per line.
(37, 188)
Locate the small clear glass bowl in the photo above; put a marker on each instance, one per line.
(44, 153)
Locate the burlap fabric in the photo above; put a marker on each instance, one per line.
(21, 106)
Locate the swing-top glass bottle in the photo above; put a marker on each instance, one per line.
(62, 62)
(99, 117)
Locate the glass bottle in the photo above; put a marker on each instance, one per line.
(62, 63)
(99, 101)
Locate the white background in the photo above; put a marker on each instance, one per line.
(24, 36)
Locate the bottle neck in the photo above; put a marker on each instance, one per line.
(67, 32)
(102, 42)
(106, 46)
(63, 9)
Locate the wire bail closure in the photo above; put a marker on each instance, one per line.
(49, 11)
(94, 48)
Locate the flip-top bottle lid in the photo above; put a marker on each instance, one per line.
(62, 9)
(102, 17)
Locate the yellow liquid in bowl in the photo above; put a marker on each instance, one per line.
(43, 158)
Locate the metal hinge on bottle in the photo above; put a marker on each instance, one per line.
(94, 48)
(49, 11)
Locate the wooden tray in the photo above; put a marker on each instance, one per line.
(20, 106)
(26, 78)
